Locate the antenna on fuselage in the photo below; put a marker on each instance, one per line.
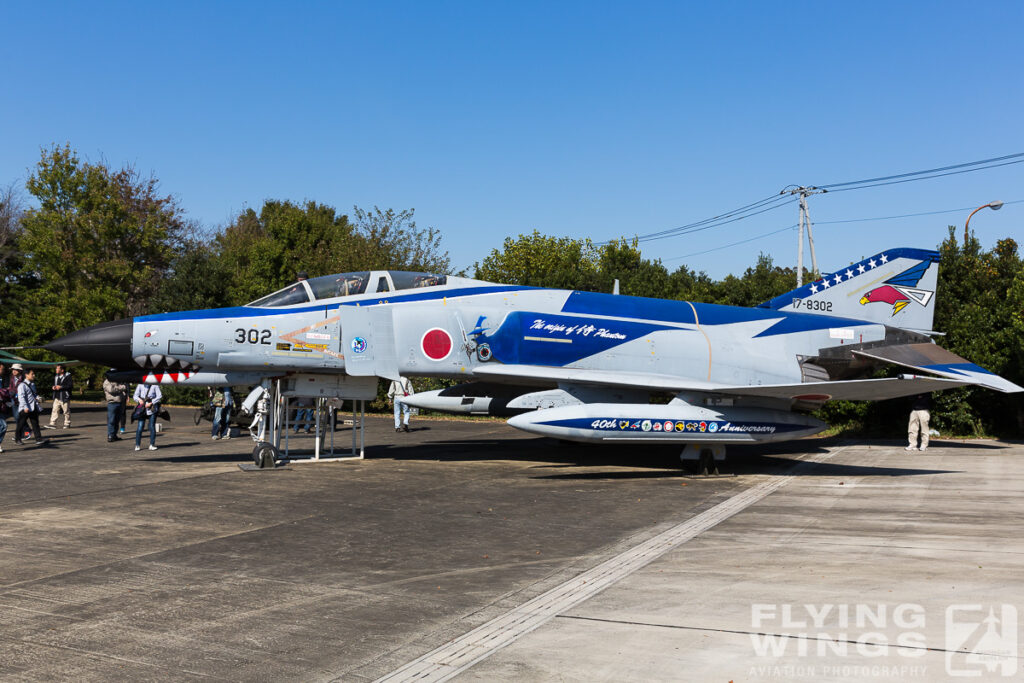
(615, 287)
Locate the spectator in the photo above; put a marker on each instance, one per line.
(115, 393)
(223, 403)
(400, 388)
(28, 407)
(147, 398)
(62, 385)
(920, 413)
(17, 377)
(124, 411)
(5, 406)
(216, 401)
(303, 415)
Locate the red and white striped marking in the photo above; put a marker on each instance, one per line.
(166, 377)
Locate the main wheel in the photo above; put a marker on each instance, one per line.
(707, 462)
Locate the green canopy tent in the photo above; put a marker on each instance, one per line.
(9, 359)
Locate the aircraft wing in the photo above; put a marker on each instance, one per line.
(937, 360)
(850, 390)
(540, 374)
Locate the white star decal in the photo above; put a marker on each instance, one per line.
(825, 283)
(885, 259)
(849, 273)
(871, 263)
(861, 269)
(814, 289)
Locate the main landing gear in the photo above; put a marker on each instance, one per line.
(703, 458)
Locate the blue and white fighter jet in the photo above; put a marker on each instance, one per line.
(573, 365)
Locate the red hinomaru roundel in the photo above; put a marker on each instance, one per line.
(436, 343)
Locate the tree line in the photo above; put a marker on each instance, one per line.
(97, 243)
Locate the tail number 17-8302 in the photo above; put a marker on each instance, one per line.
(812, 305)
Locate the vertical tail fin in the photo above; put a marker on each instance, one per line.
(895, 287)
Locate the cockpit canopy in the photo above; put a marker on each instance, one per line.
(348, 284)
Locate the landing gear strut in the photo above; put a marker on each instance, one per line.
(706, 464)
(703, 458)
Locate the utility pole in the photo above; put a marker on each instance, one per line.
(805, 220)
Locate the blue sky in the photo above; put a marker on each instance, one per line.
(574, 118)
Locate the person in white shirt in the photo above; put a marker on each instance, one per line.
(147, 404)
(62, 385)
(400, 388)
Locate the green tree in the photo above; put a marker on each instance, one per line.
(977, 304)
(689, 285)
(537, 260)
(391, 240)
(196, 278)
(12, 209)
(262, 252)
(621, 260)
(11, 289)
(758, 284)
(97, 246)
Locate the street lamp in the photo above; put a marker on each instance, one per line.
(995, 206)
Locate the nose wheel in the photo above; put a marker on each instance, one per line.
(264, 456)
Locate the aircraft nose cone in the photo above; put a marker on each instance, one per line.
(108, 344)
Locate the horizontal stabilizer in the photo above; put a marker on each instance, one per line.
(937, 360)
(848, 390)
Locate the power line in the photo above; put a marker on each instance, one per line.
(778, 201)
(739, 213)
(848, 220)
(705, 225)
(727, 214)
(909, 215)
(733, 244)
(926, 174)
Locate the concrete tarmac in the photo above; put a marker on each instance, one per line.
(176, 565)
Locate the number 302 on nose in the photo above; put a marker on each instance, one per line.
(252, 336)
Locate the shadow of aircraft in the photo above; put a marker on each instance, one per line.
(661, 459)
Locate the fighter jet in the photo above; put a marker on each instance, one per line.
(578, 366)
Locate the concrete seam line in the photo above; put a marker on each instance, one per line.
(466, 650)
